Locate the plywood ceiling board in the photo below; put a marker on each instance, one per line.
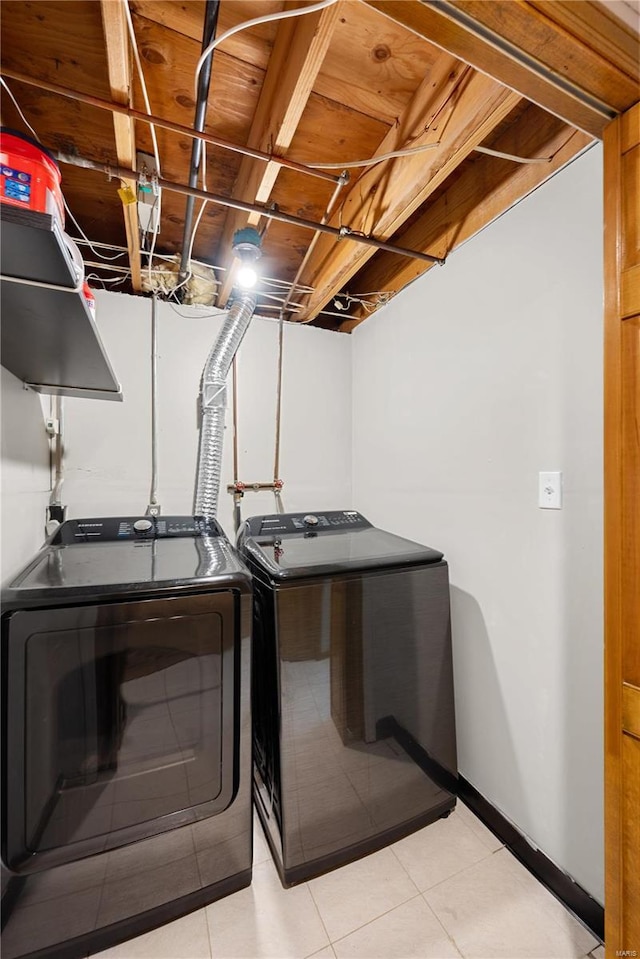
(94, 201)
(430, 22)
(169, 73)
(299, 49)
(476, 104)
(168, 61)
(330, 132)
(315, 142)
(528, 28)
(56, 41)
(187, 17)
(284, 246)
(373, 64)
(486, 188)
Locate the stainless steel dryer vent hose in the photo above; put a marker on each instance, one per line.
(213, 396)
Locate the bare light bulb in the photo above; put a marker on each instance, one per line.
(247, 277)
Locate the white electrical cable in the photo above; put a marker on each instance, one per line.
(151, 251)
(510, 156)
(373, 160)
(104, 279)
(426, 146)
(145, 96)
(84, 236)
(194, 316)
(267, 18)
(17, 106)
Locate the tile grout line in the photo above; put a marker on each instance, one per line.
(206, 919)
(317, 908)
(444, 928)
(453, 875)
(460, 871)
(375, 919)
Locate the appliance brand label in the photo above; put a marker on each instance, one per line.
(17, 185)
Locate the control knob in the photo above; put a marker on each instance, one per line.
(143, 525)
(310, 520)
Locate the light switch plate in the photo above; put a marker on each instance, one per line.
(550, 490)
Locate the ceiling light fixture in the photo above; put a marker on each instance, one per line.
(246, 246)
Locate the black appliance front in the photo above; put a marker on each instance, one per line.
(354, 727)
(126, 732)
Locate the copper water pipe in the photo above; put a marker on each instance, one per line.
(341, 233)
(167, 124)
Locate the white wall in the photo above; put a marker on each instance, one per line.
(108, 460)
(25, 473)
(475, 378)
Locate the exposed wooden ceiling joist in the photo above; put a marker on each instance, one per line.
(455, 108)
(486, 188)
(119, 67)
(359, 79)
(521, 46)
(299, 50)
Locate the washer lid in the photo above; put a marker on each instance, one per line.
(74, 564)
(325, 549)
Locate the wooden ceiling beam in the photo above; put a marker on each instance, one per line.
(298, 53)
(456, 109)
(552, 73)
(118, 61)
(485, 189)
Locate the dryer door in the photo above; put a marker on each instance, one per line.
(120, 724)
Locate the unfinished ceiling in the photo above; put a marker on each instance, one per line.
(348, 82)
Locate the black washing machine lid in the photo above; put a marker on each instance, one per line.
(108, 555)
(292, 546)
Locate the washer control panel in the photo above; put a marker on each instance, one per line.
(118, 528)
(327, 522)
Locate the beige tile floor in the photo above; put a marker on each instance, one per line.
(449, 890)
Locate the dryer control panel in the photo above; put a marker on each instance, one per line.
(326, 522)
(119, 528)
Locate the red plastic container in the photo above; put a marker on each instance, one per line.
(90, 298)
(29, 176)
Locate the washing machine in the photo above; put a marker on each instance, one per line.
(126, 732)
(354, 729)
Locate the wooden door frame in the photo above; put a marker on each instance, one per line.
(621, 526)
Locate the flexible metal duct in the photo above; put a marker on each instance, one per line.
(215, 554)
(214, 403)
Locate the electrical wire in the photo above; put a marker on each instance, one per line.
(510, 156)
(145, 97)
(103, 246)
(17, 106)
(84, 236)
(118, 268)
(191, 316)
(426, 146)
(154, 238)
(267, 18)
(114, 281)
(373, 160)
(143, 85)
